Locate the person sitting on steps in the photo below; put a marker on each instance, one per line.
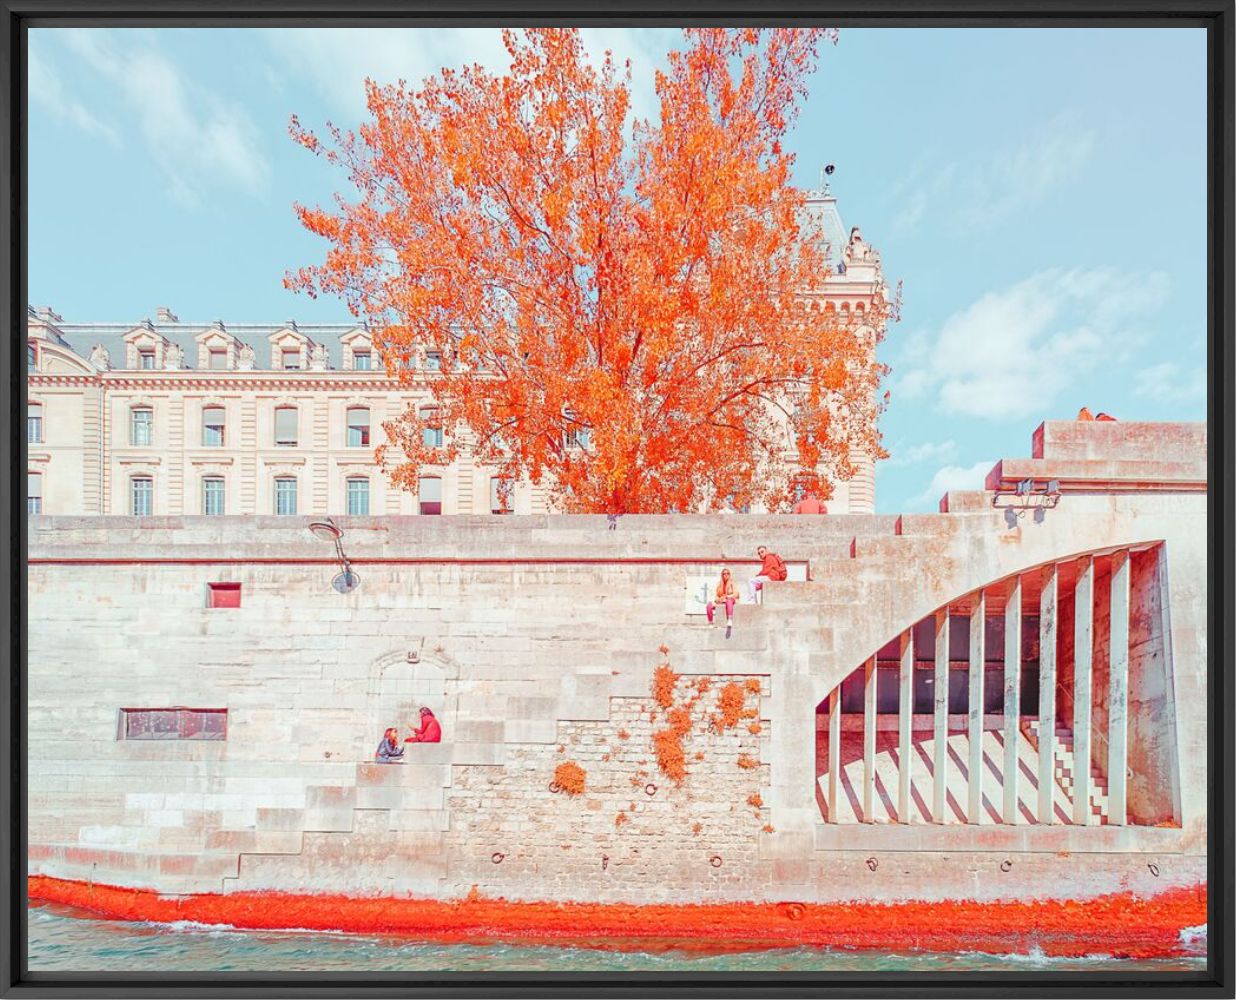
(430, 730)
(772, 567)
(389, 751)
(727, 594)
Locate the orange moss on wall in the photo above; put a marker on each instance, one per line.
(1120, 924)
(747, 762)
(570, 777)
(729, 706)
(663, 681)
(753, 685)
(755, 799)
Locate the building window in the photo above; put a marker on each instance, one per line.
(358, 496)
(141, 496)
(34, 493)
(213, 424)
(217, 359)
(141, 426)
(433, 361)
(358, 427)
(146, 359)
(362, 361)
(285, 427)
(223, 595)
(212, 495)
(291, 359)
(32, 357)
(173, 723)
(431, 432)
(34, 423)
(498, 504)
(430, 495)
(575, 436)
(285, 495)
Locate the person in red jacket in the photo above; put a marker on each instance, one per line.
(430, 730)
(772, 567)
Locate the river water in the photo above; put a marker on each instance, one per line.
(66, 940)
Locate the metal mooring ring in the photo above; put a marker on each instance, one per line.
(650, 789)
(1154, 869)
(715, 861)
(497, 857)
(555, 787)
(1006, 865)
(872, 864)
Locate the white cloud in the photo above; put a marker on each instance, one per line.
(195, 138)
(977, 195)
(336, 61)
(46, 90)
(951, 477)
(1013, 352)
(928, 451)
(1172, 383)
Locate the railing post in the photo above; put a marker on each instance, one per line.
(1012, 698)
(1118, 694)
(1083, 646)
(905, 712)
(1047, 698)
(978, 664)
(869, 736)
(940, 797)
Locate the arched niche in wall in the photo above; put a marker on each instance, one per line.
(398, 688)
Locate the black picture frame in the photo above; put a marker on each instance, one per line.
(1217, 17)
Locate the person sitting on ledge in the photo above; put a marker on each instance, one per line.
(727, 594)
(772, 567)
(430, 730)
(389, 751)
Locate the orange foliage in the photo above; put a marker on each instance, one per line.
(755, 799)
(1137, 926)
(696, 828)
(663, 681)
(747, 762)
(755, 729)
(570, 777)
(753, 685)
(623, 734)
(729, 706)
(621, 313)
(620, 819)
(769, 828)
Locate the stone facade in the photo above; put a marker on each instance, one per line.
(536, 640)
(123, 402)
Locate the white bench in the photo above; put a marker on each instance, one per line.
(700, 587)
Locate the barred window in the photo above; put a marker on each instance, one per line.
(173, 723)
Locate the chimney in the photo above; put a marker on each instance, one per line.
(290, 324)
(48, 315)
(165, 315)
(218, 325)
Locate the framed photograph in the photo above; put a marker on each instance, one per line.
(533, 500)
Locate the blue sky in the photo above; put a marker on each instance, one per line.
(1041, 194)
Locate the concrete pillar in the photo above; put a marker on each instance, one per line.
(1083, 648)
(869, 735)
(1012, 698)
(978, 621)
(834, 752)
(905, 712)
(1118, 694)
(940, 788)
(1047, 696)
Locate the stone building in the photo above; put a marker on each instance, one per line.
(1003, 700)
(164, 417)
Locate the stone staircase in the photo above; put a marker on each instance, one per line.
(1064, 766)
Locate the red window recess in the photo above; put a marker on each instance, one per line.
(224, 595)
(173, 723)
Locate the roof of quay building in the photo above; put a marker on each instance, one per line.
(821, 210)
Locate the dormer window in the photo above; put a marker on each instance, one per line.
(217, 359)
(146, 359)
(290, 359)
(433, 361)
(362, 361)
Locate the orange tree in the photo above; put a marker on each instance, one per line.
(630, 314)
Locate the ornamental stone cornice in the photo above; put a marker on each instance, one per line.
(240, 381)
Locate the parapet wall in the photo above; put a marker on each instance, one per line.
(536, 641)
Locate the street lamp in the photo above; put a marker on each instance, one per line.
(345, 580)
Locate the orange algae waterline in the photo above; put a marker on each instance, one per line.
(1120, 924)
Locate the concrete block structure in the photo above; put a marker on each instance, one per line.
(1002, 700)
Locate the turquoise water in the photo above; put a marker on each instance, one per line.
(66, 940)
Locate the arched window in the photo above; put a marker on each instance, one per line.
(286, 419)
(214, 422)
(431, 431)
(358, 496)
(285, 494)
(141, 496)
(212, 495)
(34, 493)
(429, 495)
(141, 426)
(358, 427)
(34, 423)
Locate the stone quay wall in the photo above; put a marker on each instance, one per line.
(537, 642)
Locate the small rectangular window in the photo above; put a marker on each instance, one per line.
(285, 427)
(173, 723)
(34, 493)
(223, 595)
(213, 425)
(212, 495)
(141, 427)
(358, 427)
(34, 423)
(285, 495)
(362, 361)
(32, 357)
(217, 359)
(358, 497)
(429, 495)
(141, 500)
(291, 359)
